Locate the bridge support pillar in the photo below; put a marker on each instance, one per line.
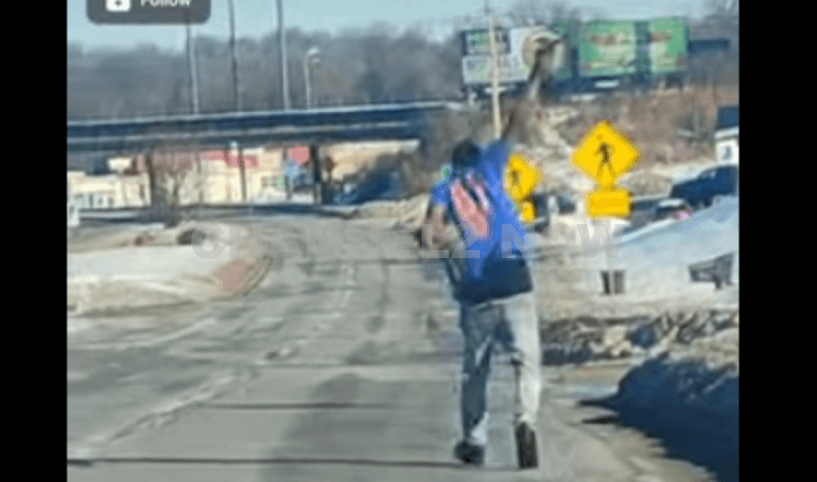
(315, 155)
(422, 149)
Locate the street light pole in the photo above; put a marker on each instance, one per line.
(306, 78)
(283, 55)
(307, 69)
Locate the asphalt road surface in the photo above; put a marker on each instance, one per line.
(341, 365)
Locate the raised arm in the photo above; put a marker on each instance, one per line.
(548, 47)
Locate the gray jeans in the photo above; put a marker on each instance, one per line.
(510, 323)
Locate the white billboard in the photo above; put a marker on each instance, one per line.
(515, 49)
(514, 65)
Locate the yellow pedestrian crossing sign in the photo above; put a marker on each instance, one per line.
(521, 179)
(609, 202)
(604, 154)
(527, 211)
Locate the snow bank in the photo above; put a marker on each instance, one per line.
(691, 406)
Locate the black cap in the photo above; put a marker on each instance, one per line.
(464, 153)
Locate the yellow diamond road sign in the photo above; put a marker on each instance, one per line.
(521, 177)
(604, 154)
(527, 211)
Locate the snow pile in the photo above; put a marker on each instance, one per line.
(162, 267)
(690, 405)
(686, 390)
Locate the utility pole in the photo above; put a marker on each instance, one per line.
(494, 72)
(193, 72)
(237, 100)
(308, 61)
(236, 97)
(306, 79)
(283, 55)
(194, 105)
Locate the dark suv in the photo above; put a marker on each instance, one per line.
(700, 191)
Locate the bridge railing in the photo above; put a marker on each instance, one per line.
(210, 123)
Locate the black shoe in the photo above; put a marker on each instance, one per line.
(470, 454)
(526, 447)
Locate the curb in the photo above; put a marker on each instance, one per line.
(249, 277)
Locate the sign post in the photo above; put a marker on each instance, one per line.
(604, 155)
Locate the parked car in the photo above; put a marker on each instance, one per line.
(700, 191)
(642, 210)
(383, 186)
(560, 203)
(671, 208)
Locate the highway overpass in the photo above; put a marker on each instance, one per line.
(314, 126)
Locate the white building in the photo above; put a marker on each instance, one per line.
(726, 135)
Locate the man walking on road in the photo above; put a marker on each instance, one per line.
(494, 287)
(490, 275)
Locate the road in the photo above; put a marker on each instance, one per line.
(341, 365)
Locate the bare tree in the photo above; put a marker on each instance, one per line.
(537, 12)
(168, 171)
(722, 20)
(724, 9)
(526, 12)
(369, 63)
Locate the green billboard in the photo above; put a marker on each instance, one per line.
(667, 45)
(607, 48)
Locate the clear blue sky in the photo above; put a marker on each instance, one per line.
(258, 17)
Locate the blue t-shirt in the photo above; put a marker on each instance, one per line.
(493, 264)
